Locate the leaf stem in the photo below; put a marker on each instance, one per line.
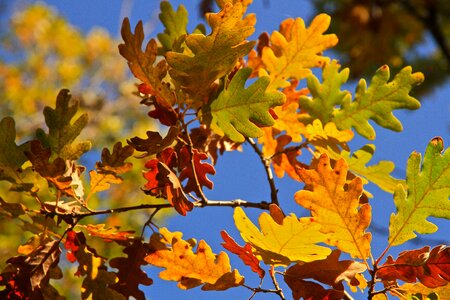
(266, 164)
(275, 283)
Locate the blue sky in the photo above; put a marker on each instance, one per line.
(234, 181)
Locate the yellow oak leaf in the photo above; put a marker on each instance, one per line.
(188, 268)
(324, 136)
(336, 206)
(295, 49)
(281, 244)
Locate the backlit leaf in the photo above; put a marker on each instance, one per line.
(62, 132)
(378, 102)
(326, 95)
(154, 143)
(245, 253)
(431, 268)
(201, 170)
(238, 111)
(427, 194)
(175, 23)
(336, 207)
(296, 49)
(109, 234)
(188, 268)
(142, 63)
(420, 291)
(215, 55)
(281, 244)
(379, 173)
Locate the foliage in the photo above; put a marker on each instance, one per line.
(210, 93)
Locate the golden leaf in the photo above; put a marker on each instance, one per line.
(188, 268)
(281, 244)
(336, 206)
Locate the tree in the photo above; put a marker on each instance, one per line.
(212, 92)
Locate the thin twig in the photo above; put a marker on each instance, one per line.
(275, 283)
(267, 168)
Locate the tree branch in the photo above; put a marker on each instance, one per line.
(266, 164)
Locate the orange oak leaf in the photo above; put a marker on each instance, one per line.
(55, 172)
(431, 268)
(245, 253)
(188, 268)
(201, 170)
(109, 234)
(173, 190)
(130, 274)
(330, 271)
(336, 206)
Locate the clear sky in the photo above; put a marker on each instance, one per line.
(236, 176)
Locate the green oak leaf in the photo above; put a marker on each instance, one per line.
(378, 102)
(213, 56)
(238, 111)
(326, 95)
(175, 23)
(12, 157)
(62, 133)
(427, 194)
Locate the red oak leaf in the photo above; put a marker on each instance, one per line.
(431, 268)
(201, 170)
(245, 253)
(71, 245)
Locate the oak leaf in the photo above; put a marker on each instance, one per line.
(281, 244)
(245, 253)
(28, 276)
(12, 156)
(378, 102)
(109, 234)
(188, 268)
(109, 167)
(163, 182)
(336, 207)
(419, 291)
(205, 140)
(427, 194)
(175, 23)
(154, 143)
(296, 49)
(431, 268)
(330, 271)
(130, 274)
(97, 280)
(201, 170)
(143, 63)
(238, 112)
(212, 56)
(379, 173)
(62, 133)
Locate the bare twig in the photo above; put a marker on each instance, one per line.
(275, 283)
(267, 168)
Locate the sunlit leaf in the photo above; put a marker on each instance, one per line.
(336, 207)
(427, 194)
(213, 56)
(238, 111)
(281, 244)
(296, 49)
(431, 268)
(175, 23)
(188, 268)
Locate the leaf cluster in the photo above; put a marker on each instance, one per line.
(211, 93)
